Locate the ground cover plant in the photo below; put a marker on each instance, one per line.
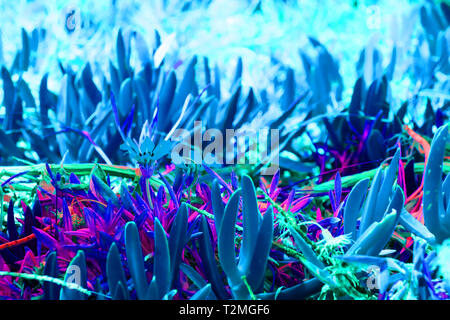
(95, 205)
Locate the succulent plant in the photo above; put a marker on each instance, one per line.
(93, 206)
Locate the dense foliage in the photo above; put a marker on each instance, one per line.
(94, 207)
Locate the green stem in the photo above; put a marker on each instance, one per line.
(349, 181)
(78, 169)
(250, 291)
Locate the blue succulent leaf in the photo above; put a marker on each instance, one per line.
(45, 239)
(187, 86)
(433, 207)
(89, 86)
(142, 48)
(51, 290)
(231, 109)
(225, 240)
(386, 187)
(192, 274)
(376, 149)
(162, 265)
(353, 206)
(209, 262)
(169, 295)
(376, 97)
(446, 190)
(289, 89)
(354, 108)
(25, 93)
(152, 291)
(258, 265)
(251, 223)
(177, 240)
(13, 234)
(299, 291)
(135, 260)
(104, 190)
(122, 56)
(67, 218)
(115, 273)
(203, 293)
(25, 52)
(121, 292)
(115, 82)
(306, 249)
(391, 67)
(125, 98)
(165, 101)
(237, 73)
(413, 225)
(375, 237)
(368, 214)
(140, 87)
